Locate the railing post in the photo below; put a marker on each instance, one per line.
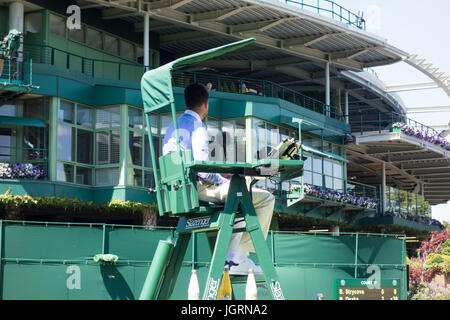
(52, 57)
(356, 255)
(379, 122)
(360, 123)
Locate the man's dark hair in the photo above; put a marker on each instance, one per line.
(195, 95)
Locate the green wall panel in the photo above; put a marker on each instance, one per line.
(54, 261)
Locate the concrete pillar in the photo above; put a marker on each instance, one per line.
(327, 87)
(383, 188)
(346, 107)
(327, 83)
(146, 41)
(16, 21)
(53, 139)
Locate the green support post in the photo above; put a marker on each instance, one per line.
(155, 274)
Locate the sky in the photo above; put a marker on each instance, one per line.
(416, 27)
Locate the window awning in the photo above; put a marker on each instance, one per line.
(18, 121)
(323, 153)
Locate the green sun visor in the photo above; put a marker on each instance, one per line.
(156, 84)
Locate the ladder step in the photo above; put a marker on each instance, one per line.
(243, 279)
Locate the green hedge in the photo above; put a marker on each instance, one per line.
(8, 201)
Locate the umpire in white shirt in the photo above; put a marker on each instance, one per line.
(213, 187)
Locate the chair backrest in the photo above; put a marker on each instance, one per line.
(171, 183)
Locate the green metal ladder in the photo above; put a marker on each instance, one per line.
(218, 225)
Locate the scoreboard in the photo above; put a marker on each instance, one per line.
(362, 289)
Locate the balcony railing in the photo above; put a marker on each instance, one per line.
(380, 121)
(331, 9)
(98, 68)
(133, 72)
(257, 87)
(362, 190)
(16, 71)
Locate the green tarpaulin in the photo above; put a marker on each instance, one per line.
(156, 84)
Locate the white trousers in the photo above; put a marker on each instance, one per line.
(263, 201)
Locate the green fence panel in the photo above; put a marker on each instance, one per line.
(55, 261)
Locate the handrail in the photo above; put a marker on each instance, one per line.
(379, 121)
(258, 87)
(334, 10)
(17, 70)
(126, 71)
(47, 55)
(362, 190)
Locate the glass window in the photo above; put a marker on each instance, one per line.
(307, 165)
(64, 172)
(84, 176)
(108, 147)
(166, 120)
(273, 136)
(316, 143)
(153, 120)
(328, 182)
(5, 144)
(147, 153)
(338, 184)
(328, 167)
(307, 177)
(135, 141)
(260, 139)
(317, 179)
(33, 22)
(240, 140)
(149, 179)
(337, 170)
(84, 116)
(135, 176)
(106, 176)
(8, 110)
(230, 148)
(35, 108)
(85, 141)
(94, 38)
(216, 147)
(66, 111)
(127, 50)
(57, 25)
(336, 149)
(317, 165)
(135, 118)
(403, 201)
(66, 143)
(108, 117)
(111, 45)
(33, 143)
(327, 147)
(77, 35)
(284, 134)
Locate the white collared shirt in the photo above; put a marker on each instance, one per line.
(193, 136)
